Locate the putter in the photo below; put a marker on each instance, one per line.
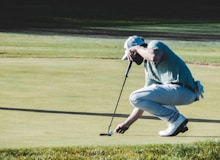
(110, 132)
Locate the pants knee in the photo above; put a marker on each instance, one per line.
(138, 101)
(134, 98)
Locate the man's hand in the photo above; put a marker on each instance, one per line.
(134, 56)
(137, 58)
(121, 128)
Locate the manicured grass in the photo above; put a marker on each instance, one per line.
(60, 90)
(58, 46)
(62, 46)
(193, 27)
(69, 101)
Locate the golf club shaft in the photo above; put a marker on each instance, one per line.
(128, 68)
(126, 75)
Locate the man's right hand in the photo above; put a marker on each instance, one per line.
(121, 128)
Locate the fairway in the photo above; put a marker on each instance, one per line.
(69, 101)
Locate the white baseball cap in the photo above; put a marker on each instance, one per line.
(132, 41)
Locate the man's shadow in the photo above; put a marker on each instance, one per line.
(99, 114)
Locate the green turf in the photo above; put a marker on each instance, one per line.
(191, 151)
(82, 91)
(67, 46)
(211, 28)
(60, 90)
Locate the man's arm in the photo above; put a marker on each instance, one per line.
(149, 54)
(136, 113)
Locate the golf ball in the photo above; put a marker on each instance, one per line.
(110, 132)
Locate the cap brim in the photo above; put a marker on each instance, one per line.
(124, 57)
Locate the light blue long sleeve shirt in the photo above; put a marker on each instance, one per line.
(171, 68)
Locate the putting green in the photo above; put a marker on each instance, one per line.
(69, 101)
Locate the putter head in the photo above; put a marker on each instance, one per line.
(106, 134)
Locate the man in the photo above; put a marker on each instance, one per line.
(168, 83)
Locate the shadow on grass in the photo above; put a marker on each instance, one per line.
(100, 114)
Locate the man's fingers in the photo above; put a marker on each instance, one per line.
(129, 54)
(130, 58)
(121, 129)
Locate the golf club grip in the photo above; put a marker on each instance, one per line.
(128, 69)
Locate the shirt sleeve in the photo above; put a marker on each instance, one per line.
(155, 44)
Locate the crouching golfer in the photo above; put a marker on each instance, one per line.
(168, 83)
